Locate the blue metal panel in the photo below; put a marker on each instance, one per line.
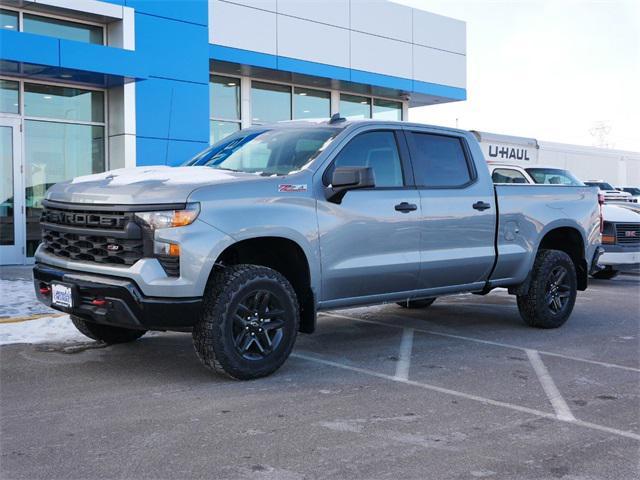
(151, 151)
(438, 90)
(100, 59)
(245, 57)
(314, 68)
(193, 11)
(182, 151)
(29, 48)
(172, 49)
(380, 80)
(172, 109)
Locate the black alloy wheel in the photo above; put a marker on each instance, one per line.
(257, 325)
(558, 290)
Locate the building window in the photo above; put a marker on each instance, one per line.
(64, 137)
(9, 96)
(270, 103)
(22, 21)
(355, 107)
(53, 27)
(9, 20)
(309, 103)
(387, 109)
(224, 103)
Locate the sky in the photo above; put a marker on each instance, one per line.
(551, 70)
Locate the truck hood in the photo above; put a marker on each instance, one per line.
(614, 213)
(141, 185)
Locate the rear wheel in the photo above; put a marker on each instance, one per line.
(552, 293)
(607, 273)
(106, 333)
(422, 303)
(249, 322)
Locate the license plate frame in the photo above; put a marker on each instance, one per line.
(62, 295)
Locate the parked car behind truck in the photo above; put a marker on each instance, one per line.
(276, 223)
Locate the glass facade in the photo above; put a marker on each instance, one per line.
(7, 199)
(9, 96)
(8, 20)
(270, 102)
(311, 103)
(387, 109)
(224, 105)
(355, 107)
(53, 27)
(65, 103)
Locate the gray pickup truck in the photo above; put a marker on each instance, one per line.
(246, 242)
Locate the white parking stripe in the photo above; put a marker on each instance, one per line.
(486, 401)
(563, 412)
(404, 358)
(486, 342)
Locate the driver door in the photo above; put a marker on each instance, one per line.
(370, 241)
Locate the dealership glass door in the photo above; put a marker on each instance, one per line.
(11, 198)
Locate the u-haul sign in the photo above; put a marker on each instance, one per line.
(505, 152)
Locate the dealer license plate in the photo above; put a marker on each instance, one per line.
(61, 295)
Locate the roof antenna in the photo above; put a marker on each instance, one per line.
(336, 118)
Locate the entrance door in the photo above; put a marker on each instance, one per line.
(11, 193)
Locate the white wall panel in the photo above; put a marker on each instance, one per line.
(382, 17)
(436, 31)
(333, 12)
(242, 27)
(313, 41)
(437, 66)
(380, 55)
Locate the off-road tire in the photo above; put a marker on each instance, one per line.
(422, 303)
(213, 336)
(606, 274)
(534, 306)
(106, 333)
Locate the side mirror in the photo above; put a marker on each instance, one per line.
(349, 178)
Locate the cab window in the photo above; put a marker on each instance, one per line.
(377, 150)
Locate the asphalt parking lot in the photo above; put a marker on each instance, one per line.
(460, 390)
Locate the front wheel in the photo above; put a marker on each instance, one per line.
(249, 322)
(106, 333)
(552, 293)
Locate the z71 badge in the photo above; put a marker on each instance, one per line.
(289, 188)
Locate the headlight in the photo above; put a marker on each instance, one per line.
(169, 218)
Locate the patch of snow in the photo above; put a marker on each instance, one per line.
(46, 329)
(18, 299)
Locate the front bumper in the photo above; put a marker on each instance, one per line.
(124, 306)
(615, 255)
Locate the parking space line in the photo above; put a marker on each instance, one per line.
(404, 358)
(563, 412)
(468, 396)
(487, 342)
(35, 316)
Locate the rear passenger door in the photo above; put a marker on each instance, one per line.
(458, 211)
(370, 241)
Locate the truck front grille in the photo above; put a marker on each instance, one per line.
(628, 233)
(92, 234)
(92, 248)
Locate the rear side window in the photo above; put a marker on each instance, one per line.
(439, 161)
(377, 150)
(507, 175)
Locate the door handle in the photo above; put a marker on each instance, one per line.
(481, 206)
(406, 207)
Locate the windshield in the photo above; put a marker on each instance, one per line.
(266, 152)
(553, 176)
(632, 190)
(600, 185)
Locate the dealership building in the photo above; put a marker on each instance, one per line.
(88, 86)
